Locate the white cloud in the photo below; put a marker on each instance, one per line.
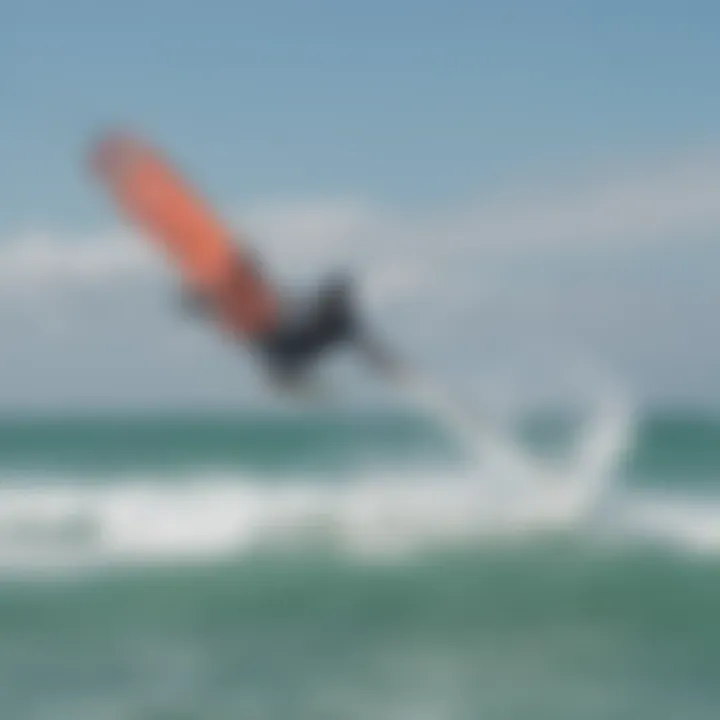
(497, 262)
(674, 197)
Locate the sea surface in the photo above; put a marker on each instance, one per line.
(376, 565)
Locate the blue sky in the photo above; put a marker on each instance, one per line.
(578, 138)
(404, 101)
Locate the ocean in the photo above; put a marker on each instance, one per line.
(373, 565)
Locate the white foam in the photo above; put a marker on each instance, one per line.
(50, 524)
(672, 521)
(143, 520)
(583, 479)
(55, 523)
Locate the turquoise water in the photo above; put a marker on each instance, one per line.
(340, 566)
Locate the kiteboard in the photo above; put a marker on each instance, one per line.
(154, 196)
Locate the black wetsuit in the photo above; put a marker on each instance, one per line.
(294, 344)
